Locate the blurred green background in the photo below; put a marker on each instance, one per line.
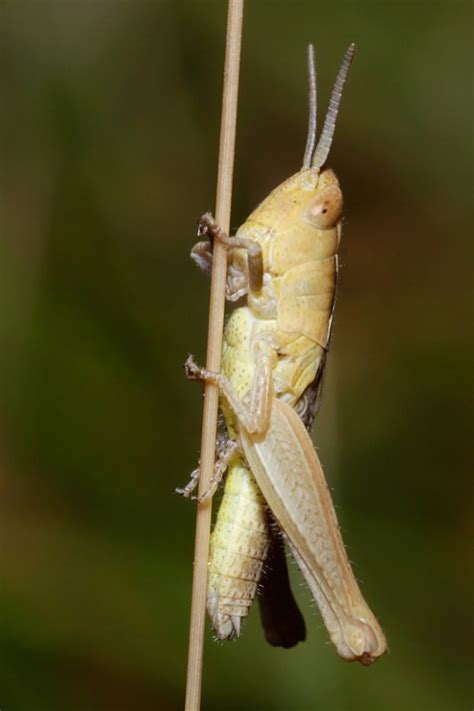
(109, 136)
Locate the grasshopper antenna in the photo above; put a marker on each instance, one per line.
(327, 134)
(311, 139)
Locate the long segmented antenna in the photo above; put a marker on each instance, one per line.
(327, 134)
(311, 139)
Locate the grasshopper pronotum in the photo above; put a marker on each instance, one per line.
(283, 262)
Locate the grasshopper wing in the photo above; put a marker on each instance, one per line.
(290, 476)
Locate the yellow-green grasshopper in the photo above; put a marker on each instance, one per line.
(283, 261)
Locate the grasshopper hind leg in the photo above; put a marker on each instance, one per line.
(282, 621)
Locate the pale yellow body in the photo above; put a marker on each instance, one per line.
(283, 261)
(273, 354)
(274, 348)
(292, 314)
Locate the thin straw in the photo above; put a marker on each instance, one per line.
(214, 347)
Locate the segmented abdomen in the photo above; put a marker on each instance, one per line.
(241, 537)
(239, 547)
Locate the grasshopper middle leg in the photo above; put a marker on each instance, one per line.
(254, 417)
(220, 467)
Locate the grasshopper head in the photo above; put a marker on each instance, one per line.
(313, 195)
(322, 205)
(304, 215)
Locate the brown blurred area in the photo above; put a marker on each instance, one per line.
(109, 137)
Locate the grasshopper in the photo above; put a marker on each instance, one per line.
(282, 267)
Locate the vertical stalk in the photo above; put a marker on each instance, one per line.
(214, 347)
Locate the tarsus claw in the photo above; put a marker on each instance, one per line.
(204, 223)
(193, 371)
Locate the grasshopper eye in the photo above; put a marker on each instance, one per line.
(326, 209)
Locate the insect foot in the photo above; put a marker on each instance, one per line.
(206, 225)
(187, 490)
(192, 370)
(195, 372)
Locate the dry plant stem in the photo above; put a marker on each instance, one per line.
(214, 347)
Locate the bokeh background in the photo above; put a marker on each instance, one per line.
(109, 136)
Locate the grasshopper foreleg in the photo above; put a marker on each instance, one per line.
(237, 278)
(202, 251)
(201, 254)
(220, 467)
(255, 416)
